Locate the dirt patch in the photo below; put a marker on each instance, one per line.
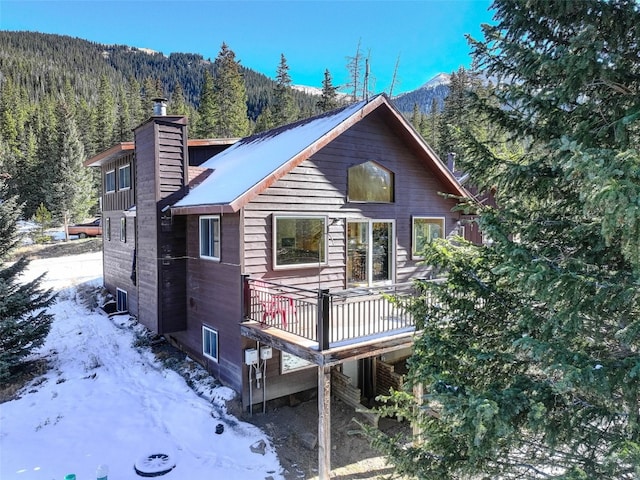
(293, 432)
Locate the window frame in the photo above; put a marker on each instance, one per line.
(122, 294)
(128, 177)
(210, 331)
(293, 216)
(369, 183)
(216, 237)
(107, 228)
(110, 174)
(123, 229)
(441, 220)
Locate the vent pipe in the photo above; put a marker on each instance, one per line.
(159, 107)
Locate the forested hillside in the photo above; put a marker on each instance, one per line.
(52, 84)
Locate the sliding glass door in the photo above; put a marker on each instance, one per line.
(369, 252)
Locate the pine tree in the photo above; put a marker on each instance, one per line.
(24, 322)
(178, 104)
(329, 98)
(207, 109)
(71, 194)
(230, 96)
(124, 132)
(106, 116)
(455, 113)
(284, 110)
(529, 356)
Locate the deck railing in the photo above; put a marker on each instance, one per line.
(329, 318)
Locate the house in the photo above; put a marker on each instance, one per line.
(271, 261)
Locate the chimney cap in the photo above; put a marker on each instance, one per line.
(159, 106)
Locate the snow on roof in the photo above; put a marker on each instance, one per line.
(248, 162)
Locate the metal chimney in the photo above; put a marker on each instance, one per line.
(159, 107)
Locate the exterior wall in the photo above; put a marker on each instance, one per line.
(118, 257)
(161, 163)
(119, 200)
(213, 299)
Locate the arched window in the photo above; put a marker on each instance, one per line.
(370, 182)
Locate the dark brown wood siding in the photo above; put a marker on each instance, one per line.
(319, 185)
(213, 300)
(119, 199)
(118, 257)
(147, 214)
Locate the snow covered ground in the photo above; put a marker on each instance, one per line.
(106, 402)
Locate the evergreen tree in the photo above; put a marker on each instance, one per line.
(265, 120)
(105, 116)
(24, 322)
(329, 98)
(138, 112)
(178, 104)
(284, 110)
(71, 194)
(455, 113)
(124, 120)
(530, 352)
(230, 96)
(207, 109)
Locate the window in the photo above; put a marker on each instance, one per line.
(369, 252)
(121, 300)
(424, 230)
(370, 182)
(110, 181)
(124, 177)
(299, 240)
(210, 343)
(107, 228)
(123, 229)
(210, 237)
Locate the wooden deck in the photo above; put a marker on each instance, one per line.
(328, 327)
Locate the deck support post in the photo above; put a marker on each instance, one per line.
(323, 319)
(245, 296)
(324, 422)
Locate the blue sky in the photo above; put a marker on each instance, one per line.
(426, 35)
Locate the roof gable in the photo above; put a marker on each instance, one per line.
(251, 165)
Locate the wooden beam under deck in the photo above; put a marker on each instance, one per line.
(308, 350)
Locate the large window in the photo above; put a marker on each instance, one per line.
(124, 177)
(210, 237)
(299, 240)
(110, 181)
(210, 343)
(425, 229)
(369, 252)
(370, 182)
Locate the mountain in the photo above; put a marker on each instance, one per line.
(41, 63)
(435, 89)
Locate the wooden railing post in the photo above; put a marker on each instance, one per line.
(323, 319)
(245, 296)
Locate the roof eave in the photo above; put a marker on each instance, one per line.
(117, 151)
(207, 209)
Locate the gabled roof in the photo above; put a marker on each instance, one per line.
(251, 165)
